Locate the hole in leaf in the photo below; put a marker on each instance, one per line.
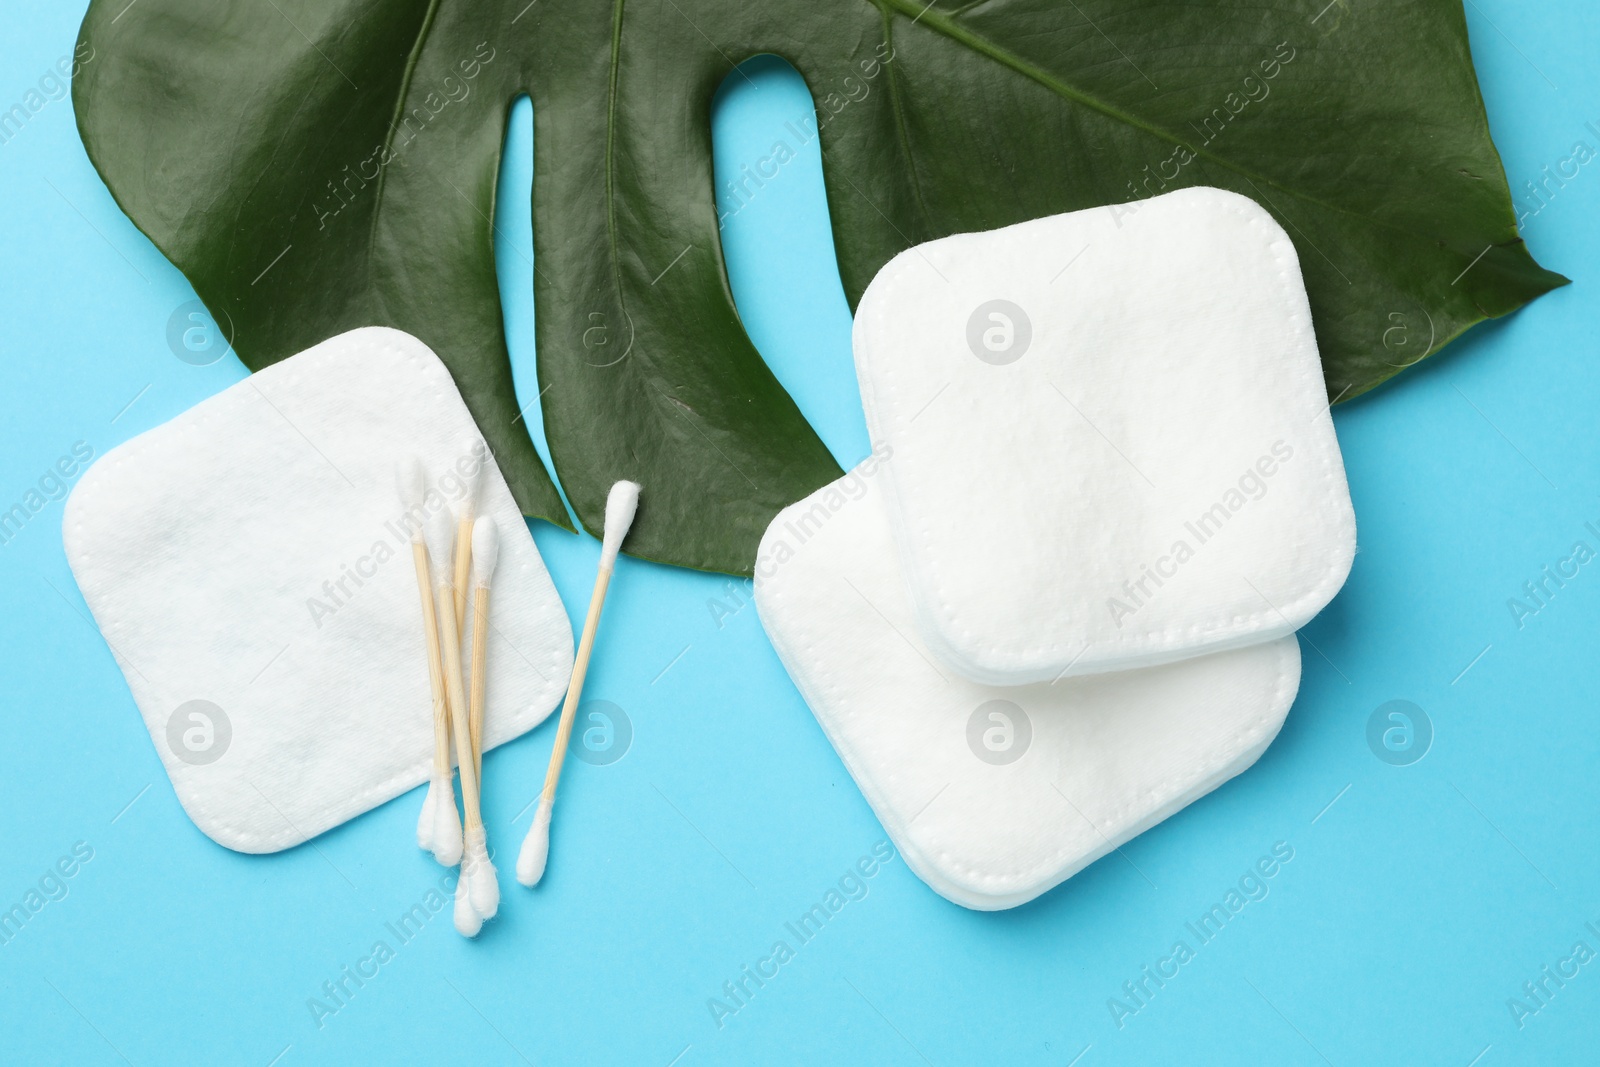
(777, 242)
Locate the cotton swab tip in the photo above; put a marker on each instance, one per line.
(439, 531)
(425, 820)
(468, 921)
(485, 550)
(446, 827)
(535, 847)
(482, 883)
(410, 483)
(621, 505)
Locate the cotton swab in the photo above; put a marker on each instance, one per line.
(410, 484)
(621, 504)
(409, 487)
(464, 548)
(485, 554)
(436, 531)
(476, 870)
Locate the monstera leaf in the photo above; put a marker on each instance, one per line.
(316, 165)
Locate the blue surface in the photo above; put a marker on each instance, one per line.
(1419, 899)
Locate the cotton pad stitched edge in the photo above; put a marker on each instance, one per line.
(249, 566)
(994, 795)
(1110, 436)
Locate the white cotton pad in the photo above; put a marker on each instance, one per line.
(251, 569)
(994, 795)
(1110, 438)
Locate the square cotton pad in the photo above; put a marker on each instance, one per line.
(250, 568)
(1110, 437)
(994, 795)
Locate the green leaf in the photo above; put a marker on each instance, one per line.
(315, 165)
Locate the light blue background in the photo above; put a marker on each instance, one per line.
(1414, 906)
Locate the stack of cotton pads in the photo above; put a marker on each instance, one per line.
(251, 570)
(1057, 603)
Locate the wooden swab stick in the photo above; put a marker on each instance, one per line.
(410, 485)
(620, 507)
(485, 554)
(436, 531)
(464, 519)
(476, 871)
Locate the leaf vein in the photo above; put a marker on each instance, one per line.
(902, 130)
(394, 121)
(960, 35)
(610, 162)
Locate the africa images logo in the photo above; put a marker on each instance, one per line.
(999, 332)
